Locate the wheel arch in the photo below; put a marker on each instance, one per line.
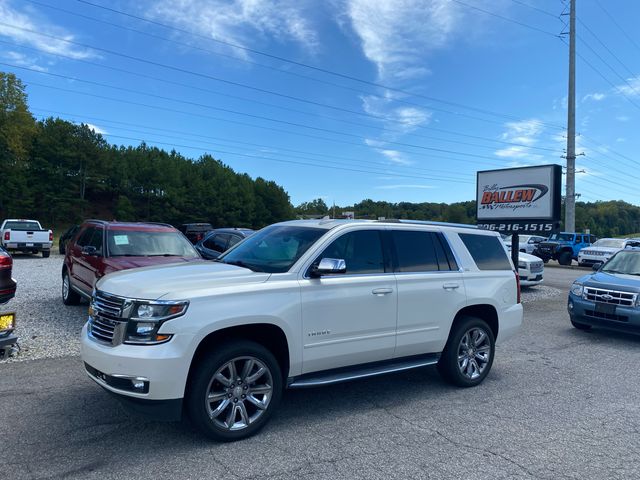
(271, 336)
(486, 312)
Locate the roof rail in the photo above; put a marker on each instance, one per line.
(428, 222)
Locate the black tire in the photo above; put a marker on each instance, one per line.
(202, 382)
(46, 253)
(61, 248)
(545, 260)
(580, 326)
(564, 258)
(69, 295)
(449, 366)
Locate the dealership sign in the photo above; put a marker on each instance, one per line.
(519, 200)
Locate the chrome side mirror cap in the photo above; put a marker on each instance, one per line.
(329, 266)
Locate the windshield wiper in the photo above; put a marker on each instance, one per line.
(240, 263)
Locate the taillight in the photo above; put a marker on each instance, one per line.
(518, 285)
(7, 235)
(5, 261)
(50, 236)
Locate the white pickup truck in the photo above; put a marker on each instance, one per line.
(25, 236)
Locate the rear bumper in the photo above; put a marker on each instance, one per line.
(25, 247)
(509, 322)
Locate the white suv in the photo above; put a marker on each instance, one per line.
(300, 304)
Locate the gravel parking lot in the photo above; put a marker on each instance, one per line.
(559, 403)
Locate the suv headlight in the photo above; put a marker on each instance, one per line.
(577, 289)
(522, 265)
(147, 318)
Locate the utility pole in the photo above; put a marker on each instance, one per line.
(570, 199)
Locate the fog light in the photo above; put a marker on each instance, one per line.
(145, 328)
(570, 305)
(137, 384)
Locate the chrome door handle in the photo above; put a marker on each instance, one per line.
(450, 286)
(382, 291)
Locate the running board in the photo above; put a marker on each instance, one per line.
(328, 377)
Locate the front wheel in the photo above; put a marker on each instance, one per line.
(564, 258)
(234, 391)
(69, 296)
(468, 355)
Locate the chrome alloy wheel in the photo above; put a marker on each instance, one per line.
(65, 287)
(239, 393)
(474, 352)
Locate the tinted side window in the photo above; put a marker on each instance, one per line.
(487, 251)
(443, 249)
(233, 240)
(415, 251)
(210, 242)
(361, 251)
(85, 237)
(220, 242)
(96, 240)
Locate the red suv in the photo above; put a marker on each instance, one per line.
(100, 247)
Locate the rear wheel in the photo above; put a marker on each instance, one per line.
(564, 258)
(468, 355)
(234, 391)
(69, 296)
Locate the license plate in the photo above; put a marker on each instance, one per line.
(7, 321)
(606, 308)
(29, 244)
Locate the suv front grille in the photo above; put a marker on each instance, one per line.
(536, 267)
(106, 321)
(614, 297)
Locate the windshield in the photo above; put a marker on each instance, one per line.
(131, 243)
(22, 226)
(273, 249)
(610, 242)
(623, 262)
(562, 237)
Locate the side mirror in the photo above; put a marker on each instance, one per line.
(328, 266)
(597, 266)
(88, 250)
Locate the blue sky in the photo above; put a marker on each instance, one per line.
(406, 99)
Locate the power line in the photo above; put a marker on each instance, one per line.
(502, 17)
(631, 40)
(273, 105)
(193, 114)
(221, 109)
(540, 10)
(374, 84)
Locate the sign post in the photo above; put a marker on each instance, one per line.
(519, 200)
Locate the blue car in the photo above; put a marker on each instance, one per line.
(220, 240)
(609, 297)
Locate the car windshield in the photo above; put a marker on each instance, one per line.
(131, 243)
(273, 249)
(562, 237)
(623, 262)
(610, 243)
(21, 226)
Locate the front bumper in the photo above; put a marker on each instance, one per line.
(625, 319)
(591, 259)
(531, 280)
(164, 367)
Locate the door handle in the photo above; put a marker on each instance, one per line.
(451, 286)
(381, 291)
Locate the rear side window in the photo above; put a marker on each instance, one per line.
(421, 252)
(487, 251)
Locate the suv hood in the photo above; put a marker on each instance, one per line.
(625, 283)
(525, 257)
(180, 280)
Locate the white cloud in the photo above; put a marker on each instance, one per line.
(23, 60)
(396, 34)
(597, 97)
(30, 19)
(240, 22)
(631, 88)
(526, 133)
(403, 186)
(96, 129)
(396, 157)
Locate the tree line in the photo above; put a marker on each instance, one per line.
(61, 173)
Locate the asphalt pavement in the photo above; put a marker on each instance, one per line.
(558, 403)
